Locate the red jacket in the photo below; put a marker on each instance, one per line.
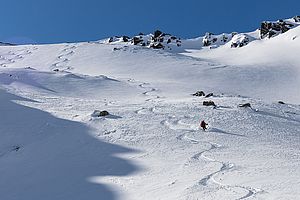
(203, 124)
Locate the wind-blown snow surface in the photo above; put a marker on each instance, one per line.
(150, 147)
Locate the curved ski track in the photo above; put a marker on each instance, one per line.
(225, 166)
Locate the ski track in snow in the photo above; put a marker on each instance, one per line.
(64, 58)
(14, 56)
(144, 111)
(149, 90)
(225, 166)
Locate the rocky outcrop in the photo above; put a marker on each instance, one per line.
(239, 40)
(296, 18)
(210, 39)
(119, 39)
(271, 29)
(161, 40)
(157, 40)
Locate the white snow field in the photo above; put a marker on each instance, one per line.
(150, 146)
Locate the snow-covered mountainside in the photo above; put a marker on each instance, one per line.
(55, 143)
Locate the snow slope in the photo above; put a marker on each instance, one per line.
(150, 146)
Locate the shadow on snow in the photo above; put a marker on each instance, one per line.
(55, 158)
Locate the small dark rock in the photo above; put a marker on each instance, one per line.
(56, 70)
(245, 105)
(136, 40)
(234, 33)
(116, 49)
(103, 113)
(98, 113)
(126, 39)
(224, 38)
(209, 103)
(281, 102)
(209, 95)
(199, 94)
(111, 39)
(234, 45)
(16, 148)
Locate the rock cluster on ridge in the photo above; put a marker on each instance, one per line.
(157, 40)
(161, 40)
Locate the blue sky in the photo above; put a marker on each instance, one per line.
(53, 21)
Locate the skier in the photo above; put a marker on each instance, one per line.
(203, 125)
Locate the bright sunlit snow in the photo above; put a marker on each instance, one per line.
(54, 144)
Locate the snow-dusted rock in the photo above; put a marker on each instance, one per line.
(157, 40)
(240, 40)
(210, 39)
(271, 29)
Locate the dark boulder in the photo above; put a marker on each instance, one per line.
(199, 94)
(209, 103)
(103, 113)
(117, 49)
(281, 102)
(136, 40)
(234, 45)
(98, 113)
(245, 105)
(111, 39)
(126, 38)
